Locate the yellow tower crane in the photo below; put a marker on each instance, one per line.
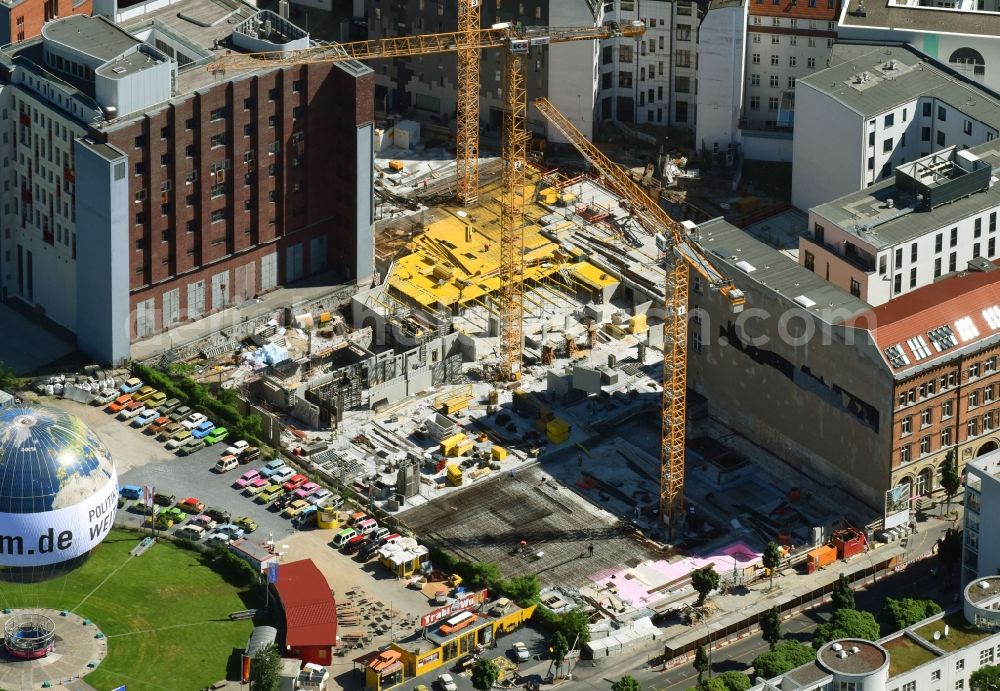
(467, 104)
(517, 42)
(681, 251)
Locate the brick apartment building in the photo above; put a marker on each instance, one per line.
(175, 192)
(23, 19)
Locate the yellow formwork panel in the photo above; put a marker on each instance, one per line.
(457, 258)
(592, 276)
(449, 445)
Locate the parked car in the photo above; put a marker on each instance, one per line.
(170, 406)
(269, 494)
(202, 429)
(131, 385)
(131, 409)
(248, 524)
(191, 505)
(341, 538)
(164, 499)
(219, 514)
(520, 652)
(117, 405)
(105, 397)
(227, 463)
(180, 413)
(143, 393)
(237, 448)
(447, 682)
(283, 476)
(318, 497)
(181, 437)
(193, 420)
(216, 435)
(156, 399)
(203, 521)
(354, 544)
(191, 532)
(256, 486)
(217, 538)
(174, 514)
(272, 467)
(307, 490)
(145, 417)
(281, 502)
(294, 508)
(249, 454)
(130, 491)
(246, 477)
(168, 431)
(306, 518)
(233, 531)
(158, 425)
(392, 537)
(367, 526)
(161, 520)
(369, 551)
(191, 446)
(294, 482)
(379, 534)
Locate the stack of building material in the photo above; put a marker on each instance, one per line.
(450, 446)
(637, 324)
(624, 640)
(454, 474)
(557, 431)
(498, 453)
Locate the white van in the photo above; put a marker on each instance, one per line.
(226, 464)
(191, 532)
(341, 538)
(367, 526)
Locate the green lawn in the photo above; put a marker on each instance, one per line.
(165, 614)
(960, 632)
(905, 655)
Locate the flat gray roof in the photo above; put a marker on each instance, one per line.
(864, 214)
(107, 151)
(132, 63)
(95, 36)
(742, 257)
(886, 89)
(880, 15)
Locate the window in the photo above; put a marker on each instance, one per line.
(810, 262)
(297, 86)
(887, 145)
(140, 142)
(755, 103)
(971, 427)
(218, 215)
(811, 62)
(913, 277)
(904, 454)
(625, 80)
(988, 394)
(774, 60)
(164, 132)
(926, 110)
(959, 665)
(977, 228)
(926, 417)
(140, 168)
(936, 675)
(140, 218)
(967, 127)
(775, 40)
(247, 103)
(953, 241)
(889, 120)
(993, 221)
(871, 163)
(755, 58)
(140, 244)
(992, 248)
(946, 408)
(925, 446)
(973, 399)
(140, 195)
(684, 58)
(897, 284)
(774, 81)
(272, 94)
(906, 426)
(218, 190)
(791, 61)
(937, 267)
(990, 365)
(218, 114)
(791, 82)
(272, 121)
(624, 53)
(190, 200)
(946, 437)
(772, 103)
(940, 138)
(960, 684)
(855, 288)
(218, 140)
(756, 37)
(938, 242)
(974, 370)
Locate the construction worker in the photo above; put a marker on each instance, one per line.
(590, 549)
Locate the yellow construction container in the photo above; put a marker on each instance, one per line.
(396, 166)
(463, 447)
(449, 445)
(637, 324)
(327, 519)
(498, 453)
(557, 431)
(454, 475)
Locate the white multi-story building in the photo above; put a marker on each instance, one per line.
(652, 81)
(936, 216)
(940, 652)
(981, 547)
(874, 109)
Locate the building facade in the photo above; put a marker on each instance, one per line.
(980, 545)
(874, 109)
(935, 217)
(23, 19)
(195, 193)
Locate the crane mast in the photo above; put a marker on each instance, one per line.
(467, 104)
(680, 253)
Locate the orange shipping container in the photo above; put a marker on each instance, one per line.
(820, 557)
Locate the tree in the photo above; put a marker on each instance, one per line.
(558, 647)
(626, 683)
(701, 663)
(485, 674)
(575, 626)
(899, 614)
(843, 594)
(266, 669)
(770, 627)
(8, 380)
(771, 559)
(524, 590)
(846, 623)
(949, 549)
(733, 680)
(786, 656)
(704, 580)
(950, 479)
(482, 574)
(711, 684)
(986, 678)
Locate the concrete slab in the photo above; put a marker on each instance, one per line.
(75, 647)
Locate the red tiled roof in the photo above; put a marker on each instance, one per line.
(942, 304)
(310, 610)
(799, 9)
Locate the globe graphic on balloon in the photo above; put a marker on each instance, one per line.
(58, 489)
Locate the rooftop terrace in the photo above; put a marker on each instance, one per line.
(960, 632)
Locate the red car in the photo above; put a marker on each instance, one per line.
(117, 405)
(294, 482)
(191, 505)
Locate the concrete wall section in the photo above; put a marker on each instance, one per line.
(102, 210)
(767, 146)
(721, 56)
(826, 149)
(364, 268)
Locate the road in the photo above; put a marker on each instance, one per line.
(919, 580)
